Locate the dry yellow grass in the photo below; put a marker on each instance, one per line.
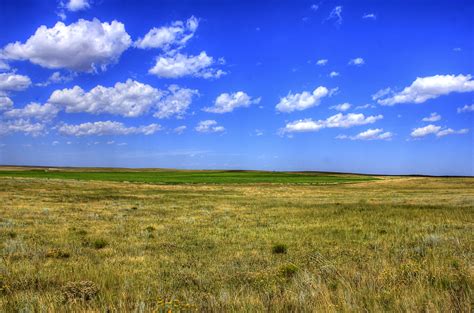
(397, 244)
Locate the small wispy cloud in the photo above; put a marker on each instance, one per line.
(336, 15)
(369, 16)
(357, 61)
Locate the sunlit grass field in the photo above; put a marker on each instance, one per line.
(224, 241)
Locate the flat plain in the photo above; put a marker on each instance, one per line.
(101, 240)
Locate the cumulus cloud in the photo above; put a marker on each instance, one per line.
(24, 126)
(169, 37)
(302, 101)
(357, 61)
(209, 126)
(425, 88)
(84, 46)
(434, 117)
(336, 121)
(34, 110)
(13, 82)
(369, 134)
(77, 5)
(336, 15)
(426, 130)
(228, 102)
(333, 74)
(5, 103)
(129, 99)
(341, 107)
(436, 130)
(106, 128)
(450, 131)
(369, 16)
(466, 108)
(175, 103)
(181, 65)
(322, 62)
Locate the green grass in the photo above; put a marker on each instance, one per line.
(387, 245)
(192, 177)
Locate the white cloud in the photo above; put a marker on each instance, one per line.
(381, 93)
(55, 143)
(365, 106)
(336, 15)
(34, 110)
(341, 107)
(434, 117)
(4, 66)
(180, 129)
(333, 91)
(466, 108)
(22, 126)
(314, 7)
(175, 103)
(333, 74)
(431, 87)
(436, 130)
(5, 103)
(81, 46)
(181, 65)
(370, 16)
(369, 134)
(450, 131)
(77, 5)
(209, 126)
(13, 82)
(228, 102)
(130, 99)
(56, 78)
(168, 37)
(301, 101)
(357, 61)
(336, 121)
(106, 128)
(322, 62)
(426, 130)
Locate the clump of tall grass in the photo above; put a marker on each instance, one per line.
(288, 270)
(56, 253)
(279, 248)
(98, 243)
(82, 290)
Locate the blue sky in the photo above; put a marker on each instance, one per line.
(366, 86)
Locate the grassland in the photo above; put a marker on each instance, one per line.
(401, 244)
(187, 177)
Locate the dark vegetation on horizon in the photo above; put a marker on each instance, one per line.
(188, 177)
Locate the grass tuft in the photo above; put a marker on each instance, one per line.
(279, 248)
(82, 290)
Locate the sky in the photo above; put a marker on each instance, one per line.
(380, 87)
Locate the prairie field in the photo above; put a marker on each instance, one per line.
(76, 240)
